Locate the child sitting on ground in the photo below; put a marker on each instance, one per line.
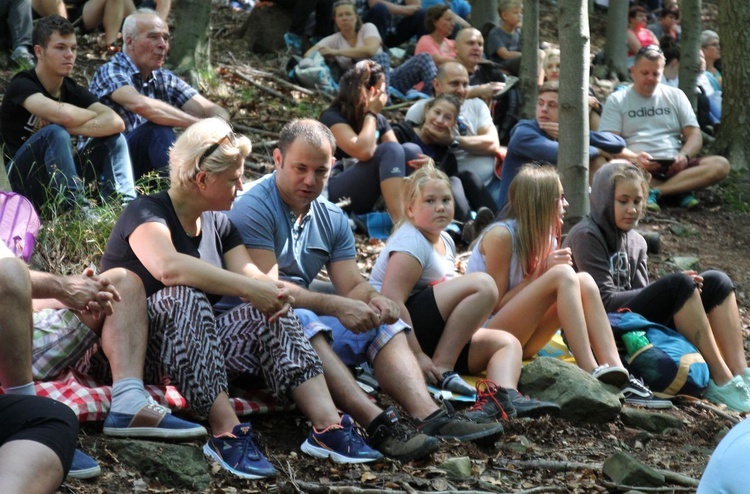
(702, 306)
(416, 269)
(538, 290)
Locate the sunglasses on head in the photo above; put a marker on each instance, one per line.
(213, 147)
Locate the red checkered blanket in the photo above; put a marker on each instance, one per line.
(90, 400)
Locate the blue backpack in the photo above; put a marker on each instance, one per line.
(666, 361)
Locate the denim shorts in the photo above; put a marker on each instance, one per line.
(352, 348)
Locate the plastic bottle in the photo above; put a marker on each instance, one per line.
(634, 341)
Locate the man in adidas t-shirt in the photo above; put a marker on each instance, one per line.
(661, 132)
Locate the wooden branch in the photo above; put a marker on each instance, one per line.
(255, 130)
(536, 490)
(561, 466)
(403, 104)
(276, 79)
(638, 488)
(557, 466)
(705, 406)
(678, 478)
(267, 89)
(266, 144)
(315, 488)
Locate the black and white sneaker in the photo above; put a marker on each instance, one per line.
(637, 393)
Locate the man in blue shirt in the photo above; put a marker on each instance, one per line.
(150, 99)
(291, 232)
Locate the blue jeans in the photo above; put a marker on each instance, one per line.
(46, 167)
(149, 146)
(350, 347)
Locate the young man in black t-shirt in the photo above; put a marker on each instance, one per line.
(42, 109)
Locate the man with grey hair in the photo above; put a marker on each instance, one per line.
(150, 99)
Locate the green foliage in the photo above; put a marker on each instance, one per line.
(71, 240)
(735, 190)
(311, 107)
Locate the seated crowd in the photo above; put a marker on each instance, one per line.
(207, 280)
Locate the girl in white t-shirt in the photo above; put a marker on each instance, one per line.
(416, 270)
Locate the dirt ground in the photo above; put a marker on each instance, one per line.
(716, 233)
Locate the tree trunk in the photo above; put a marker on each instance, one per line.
(483, 11)
(734, 136)
(690, 15)
(530, 59)
(573, 156)
(190, 52)
(616, 46)
(264, 29)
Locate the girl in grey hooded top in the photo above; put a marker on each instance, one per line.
(702, 306)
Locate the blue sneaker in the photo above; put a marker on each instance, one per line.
(652, 204)
(392, 91)
(688, 201)
(151, 421)
(83, 467)
(342, 442)
(413, 94)
(238, 454)
(293, 43)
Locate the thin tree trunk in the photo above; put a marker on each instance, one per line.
(690, 15)
(530, 59)
(484, 11)
(616, 46)
(734, 134)
(573, 157)
(190, 52)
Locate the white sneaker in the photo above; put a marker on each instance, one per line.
(614, 376)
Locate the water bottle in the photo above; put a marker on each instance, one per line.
(463, 127)
(634, 341)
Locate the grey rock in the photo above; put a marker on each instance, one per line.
(623, 469)
(654, 422)
(686, 263)
(581, 397)
(520, 444)
(178, 465)
(457, 468)
(679, 229)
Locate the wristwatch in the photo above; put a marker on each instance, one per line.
(454, 144)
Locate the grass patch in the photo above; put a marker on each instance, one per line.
(69, 241)
(735, 190)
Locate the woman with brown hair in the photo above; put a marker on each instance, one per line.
(370, 162)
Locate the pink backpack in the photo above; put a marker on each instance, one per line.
(19, 224)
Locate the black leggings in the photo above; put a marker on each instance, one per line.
(41, 420)
(662, 299)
